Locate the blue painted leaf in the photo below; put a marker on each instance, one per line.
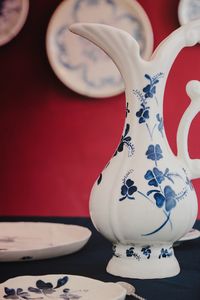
(19, 291)
(132, 190)
(142, 120)
(159, 175)
(62, 281)
(121, 147)
(146, 114)
(156, 81)
(127, 139)
(160, 199)
(170, 196)
(9, 292)
(34, 290)
(44, 285)
(139, 113)
(127, 129)
(129, 182)
(148, 175)
(153, 90)
(147, 88)
(124, 190)
(147, 76)
(158, 152)
(153, 182)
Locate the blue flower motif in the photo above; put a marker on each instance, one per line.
(130, 252)
(125, 140)
(143, 113)
(165, 253)
(169, 198)
(15, 294)
(154, 152)
(150, 89)
(155, 177)
(127, 190)
(146, 251)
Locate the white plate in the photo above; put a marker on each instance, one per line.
(61, 286)
(78, 63)
(191, 235)
(21, 241)
(188, 10)
(13, 14)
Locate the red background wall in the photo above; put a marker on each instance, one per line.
(54, 142)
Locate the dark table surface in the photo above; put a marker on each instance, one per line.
(91, 261)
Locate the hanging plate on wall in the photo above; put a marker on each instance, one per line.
(13, 14)
(188, 10)
(78, 63)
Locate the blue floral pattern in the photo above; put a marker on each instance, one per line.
(128, 189)
(155, 177)
(146, 251)
(154, 153)
(163, 195)
(147, 93)
(126, 140)
(150, 89)
(42, 290)
(143, 113)
(165, 253)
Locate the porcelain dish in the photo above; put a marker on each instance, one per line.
(191, 235)
(20, 241)
(13, 14)
(78, 63)
(188, 10)
(60, 286)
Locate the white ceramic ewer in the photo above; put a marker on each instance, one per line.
(143, 201)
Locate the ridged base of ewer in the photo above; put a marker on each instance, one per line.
(143, 262)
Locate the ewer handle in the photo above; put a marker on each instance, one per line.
(193, 165)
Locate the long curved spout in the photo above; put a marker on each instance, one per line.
(118, 44)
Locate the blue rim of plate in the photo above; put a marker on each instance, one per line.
(77, 67)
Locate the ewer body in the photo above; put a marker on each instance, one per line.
(144, 201)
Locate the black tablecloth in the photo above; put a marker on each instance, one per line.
(91, 261)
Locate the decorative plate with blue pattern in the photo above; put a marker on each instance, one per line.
(188, 10)
(78, 63)
(60, 286)
(13, 14)
(23, 241)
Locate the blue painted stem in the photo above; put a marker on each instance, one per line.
(159, 228)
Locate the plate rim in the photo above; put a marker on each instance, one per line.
(149, 36)
(27, 252)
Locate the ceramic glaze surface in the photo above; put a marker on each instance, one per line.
(143, 201)
(60, 286)
(13, 14)
(23, 241)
